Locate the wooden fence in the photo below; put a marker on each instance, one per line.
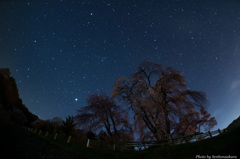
(134, 145)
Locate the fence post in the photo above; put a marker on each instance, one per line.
(46, 134)
(69, 138)
(219, 131)
(55, 136)
(173, 141)
(145, 146)
(88, 142)
(210, 133)
(114, 146)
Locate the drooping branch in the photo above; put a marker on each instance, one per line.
(164, 105)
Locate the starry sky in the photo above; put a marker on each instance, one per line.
(61, 51)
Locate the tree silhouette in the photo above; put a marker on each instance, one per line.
(103, 113)
(91, 135)
(163, 105)
(68, 126)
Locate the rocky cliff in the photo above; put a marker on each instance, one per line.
(11, 104)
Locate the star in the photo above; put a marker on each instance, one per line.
(86, 46)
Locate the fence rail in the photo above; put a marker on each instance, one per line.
(137, 145)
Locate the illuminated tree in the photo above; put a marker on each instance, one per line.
(103, 113)
(162, 103)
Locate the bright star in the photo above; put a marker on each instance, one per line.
(76, 99)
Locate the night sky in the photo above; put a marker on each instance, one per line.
(61, 51)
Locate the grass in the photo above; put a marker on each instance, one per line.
(21, 144)
(18, 143)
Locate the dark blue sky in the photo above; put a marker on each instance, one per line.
(61, 51)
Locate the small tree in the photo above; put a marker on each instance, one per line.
(68, 126)
(103, 113)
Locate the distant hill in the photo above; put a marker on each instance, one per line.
(11, 106)
(235, 124)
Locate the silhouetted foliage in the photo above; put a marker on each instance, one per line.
(69, 125)
(162, 103)
(46, 126)
(103, 113)
(80, 134)
(102, 135)
(43, 125)
(91, 135)
(55, 124)
(57, 121)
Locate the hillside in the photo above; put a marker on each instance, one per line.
(11, 105)
(20, 143)
(235, 124)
